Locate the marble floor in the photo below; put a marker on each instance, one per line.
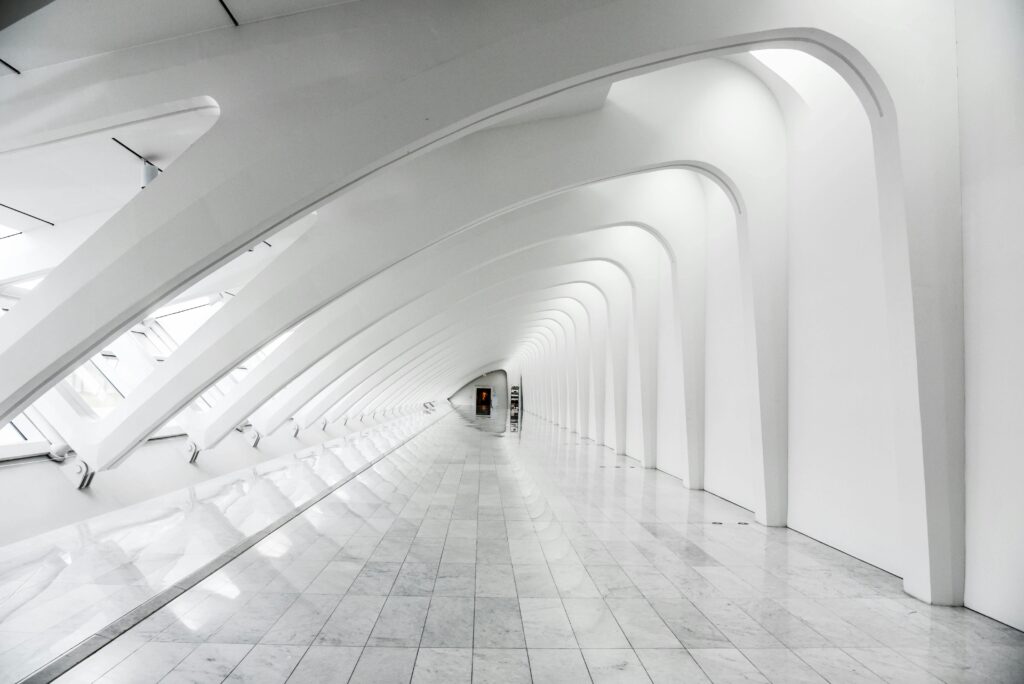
(64, 591)
(470, 554)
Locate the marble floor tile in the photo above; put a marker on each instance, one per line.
(384, 666)
(375, 579)
(594, 624)
(527, 551)
(335, 578)
(325, 664)
(827, 623)
(558, 666)
(726, 666)
(741, 629)
(498, 624)
(254, 619)
(351, 622)
(641, 624)
(837, 666)
(495, 581)
(615, 666)
(546, 624)
(534, 581)
(500, 666)
(613, 582)
(891, 666)
(689, 625)
(443, 666)
(462, 529)
(266, 664)
(650, 582)
(391, 550)
(670, 665)
(449, 622)
(400, 622)
(492, 551)
(573, 581)
(455, 579)
(783, 625)
(491, 526)
(415, 579)
(149, 663)
(782, 665)
(459, 550)
(302, 621)
(208, 664)
(297, 576)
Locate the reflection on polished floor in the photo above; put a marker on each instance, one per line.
(62, 590)
(470, 554)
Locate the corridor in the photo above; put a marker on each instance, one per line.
(475, 554)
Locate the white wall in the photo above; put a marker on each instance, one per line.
(730, 385)
(990, 44)
(843, 487)
(495, 380)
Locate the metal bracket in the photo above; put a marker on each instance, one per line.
(79, 473)
(254, 438)
(295, 429)
(192, 449)
(58, 452)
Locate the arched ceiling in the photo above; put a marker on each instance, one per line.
(491, 188)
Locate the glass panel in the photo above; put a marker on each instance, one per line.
(28, 429)
(11, 435)
(147, 344)
(95, 390)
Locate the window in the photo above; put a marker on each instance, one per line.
(9, 434)
(151, 346)
(19, 431)
(93, 387)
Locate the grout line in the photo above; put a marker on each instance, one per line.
(91, 644)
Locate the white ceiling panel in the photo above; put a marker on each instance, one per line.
(247, 11)
(71, 29)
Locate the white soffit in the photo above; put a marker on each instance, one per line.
(65, 30)
(90, 173)
(585, 98)
(248, 11)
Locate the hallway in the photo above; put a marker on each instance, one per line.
(476, 554)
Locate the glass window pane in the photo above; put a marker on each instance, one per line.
(27, 428)
(10, 435)
(147, 344)
(95, 390)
